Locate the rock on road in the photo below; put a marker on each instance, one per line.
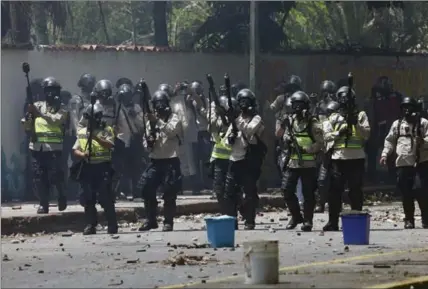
(154, 259)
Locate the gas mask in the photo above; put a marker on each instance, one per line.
(299, 108)
(52, 95)
(245, 105)
(408, 111)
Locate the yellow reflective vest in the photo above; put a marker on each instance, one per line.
(354, 141)
(47, 132)
(304, 141)
(99, 153)
(220, 150)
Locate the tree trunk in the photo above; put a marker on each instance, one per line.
(5, 18)
(159, 19)
(103, 22)
(21, 21)
(40, 21)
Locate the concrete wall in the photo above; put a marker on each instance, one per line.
(409, 75)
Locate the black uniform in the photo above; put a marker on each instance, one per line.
(94, 171)
(348, 155)
(303, 139)
(248, 152)
(45, 122)
(129, 163)
(162, 139)
(407, 138)
(324, 165)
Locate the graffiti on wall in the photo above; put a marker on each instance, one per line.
(13, 174)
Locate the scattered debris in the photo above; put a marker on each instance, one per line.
(41, 271)
(16, 207)
(191, 260)
(67, 234)
(189, 246)
(115, 237)
(115, 283)
(6, 258)
(132, 261)
(15, 241)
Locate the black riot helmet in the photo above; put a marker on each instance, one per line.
(383, 86)
(409, 106)
(160, 102)
(332, 107)
(299, 101)
(294, 83)
(328, 87)
(343, 98)
(167, 89)
(65, 97)
(86, 82)
(197, 87)
(246, 100)
(98, 113)
(236, 87)
(123, 80)
(125, 94)
(103, 89)
(224, 102)
(37, 88)
(51, 89)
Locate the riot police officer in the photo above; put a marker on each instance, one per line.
(45, 121)
(347, 156)
(167, 89)
(303, 137)
(202, 148)
(293, 84)
(328, 90)
(79, 102)
(96, 170)
(162, 139)
(129, 162)
(324, 168)
(407, 137)
(123, 80)
(246, 158)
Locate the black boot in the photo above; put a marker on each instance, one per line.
(308, 216)
(43, 209)
(331, 226)
(294, 222)
(320, 208)
(409, 224)
(296, 219)
(110, 213)
(89, 230)
(250, 215)
(169, 210)
(151, 209)
(62, 203)
(90, 219)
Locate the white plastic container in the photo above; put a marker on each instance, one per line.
(261, 262)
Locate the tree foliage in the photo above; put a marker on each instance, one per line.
(221, 25)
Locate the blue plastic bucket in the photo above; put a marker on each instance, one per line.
(221, 231)
(356, 228)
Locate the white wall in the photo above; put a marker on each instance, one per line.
(409, 76)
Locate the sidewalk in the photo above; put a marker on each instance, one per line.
(22, 218)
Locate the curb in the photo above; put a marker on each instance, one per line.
(74, 221)
(415, 283)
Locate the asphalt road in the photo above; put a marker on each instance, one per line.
(135, 260)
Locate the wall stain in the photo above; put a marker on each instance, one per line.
(13, 174)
